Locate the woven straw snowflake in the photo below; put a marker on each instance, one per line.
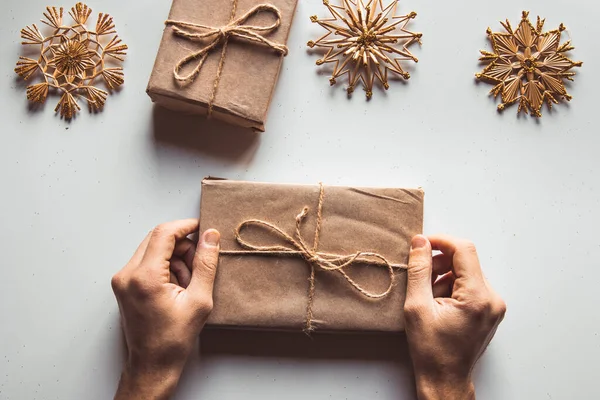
(364, 47)
(528, 66)
(72, 59)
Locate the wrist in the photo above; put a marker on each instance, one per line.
(150, 382)
(444, 389)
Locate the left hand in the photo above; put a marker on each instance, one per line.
(165, 297)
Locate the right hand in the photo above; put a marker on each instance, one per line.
(451, 314)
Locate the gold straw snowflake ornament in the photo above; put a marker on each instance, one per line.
(72, 59)
(364, 47)
(528, 66)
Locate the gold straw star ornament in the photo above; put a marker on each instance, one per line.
(365, 40)
(72, 59)
(528, 66)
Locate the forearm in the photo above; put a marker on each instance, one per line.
(151, 384)
(449, 390)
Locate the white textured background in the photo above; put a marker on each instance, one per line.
(78, 197)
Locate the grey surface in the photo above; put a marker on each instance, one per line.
(77, 198)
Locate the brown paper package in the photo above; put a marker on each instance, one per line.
(269, 292)
(250, 71)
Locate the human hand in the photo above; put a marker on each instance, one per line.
(165, 296)
(451, 314)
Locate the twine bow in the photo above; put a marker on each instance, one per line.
(221, 35)
(325, 261)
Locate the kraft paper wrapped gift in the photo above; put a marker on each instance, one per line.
(213, 61)
(310, 257)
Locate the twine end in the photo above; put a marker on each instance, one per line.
(308, 329)
(302, 214)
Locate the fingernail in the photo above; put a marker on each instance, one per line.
(418, 242)
(211, 237)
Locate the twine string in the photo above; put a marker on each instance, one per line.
(220, 35)
(297, 247)
(311, 279)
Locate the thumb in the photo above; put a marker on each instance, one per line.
(204, 266)
(419, 271)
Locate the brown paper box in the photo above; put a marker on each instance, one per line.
(271, 292)
(249, 73)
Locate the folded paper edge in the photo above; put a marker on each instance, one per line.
(363, 190)
(156, 95)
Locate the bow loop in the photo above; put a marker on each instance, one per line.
(256, 10)
(325, 261)
(271, 228)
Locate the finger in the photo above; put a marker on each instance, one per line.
(181, 271)
(465, 262)
(205, 263)
(419, 271)
(444, 285)
(442, 264)
(444, 243)
(185, 249)
(173, 280)
(164, 239)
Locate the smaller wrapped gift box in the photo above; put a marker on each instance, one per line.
(222, 58)
(310, 257)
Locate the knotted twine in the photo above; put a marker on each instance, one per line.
(235, 28)
(325, 261)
